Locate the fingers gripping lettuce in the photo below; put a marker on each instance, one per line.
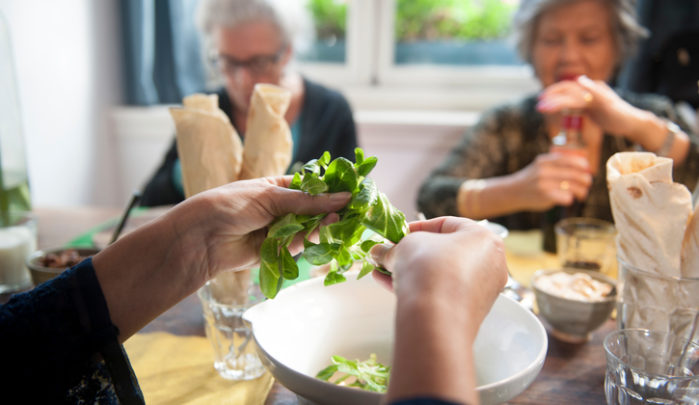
(341, 242)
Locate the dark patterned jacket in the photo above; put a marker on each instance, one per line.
(509, 137)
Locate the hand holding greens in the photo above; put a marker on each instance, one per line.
(340, 242)
(368, 375)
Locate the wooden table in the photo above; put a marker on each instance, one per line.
(572, 373)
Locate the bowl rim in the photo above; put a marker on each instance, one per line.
(540, 358)
(594, 274)
(536, 364)
(32, 259)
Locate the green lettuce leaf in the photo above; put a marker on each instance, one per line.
(340, 242)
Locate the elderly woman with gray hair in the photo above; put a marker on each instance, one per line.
(252, 41)
(505, 168)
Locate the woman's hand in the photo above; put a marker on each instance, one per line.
(552, 179)
(596, 100)
(160, 263)
(226, 225)
(450, 257)
(447, 274)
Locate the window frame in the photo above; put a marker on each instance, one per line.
(371, 79)
(357, 69)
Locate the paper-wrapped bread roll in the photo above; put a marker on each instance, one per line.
(209, 148)
(689, 264)
(268, 143)
(650, 211)
(211, 154)
(651, 214)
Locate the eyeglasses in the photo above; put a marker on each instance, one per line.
(257, 65)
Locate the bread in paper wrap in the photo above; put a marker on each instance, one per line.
(208, 146)
(651, 214)
(211, 154)
(650, 211)
(268, 143)
(689, 260)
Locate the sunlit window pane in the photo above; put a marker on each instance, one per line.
(454, 32)
(330, 22)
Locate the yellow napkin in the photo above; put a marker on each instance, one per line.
(180, 370)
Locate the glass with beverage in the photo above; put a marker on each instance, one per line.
(587, 244)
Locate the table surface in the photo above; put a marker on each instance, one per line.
(572, 373)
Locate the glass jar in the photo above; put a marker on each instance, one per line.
(17, 224)
(14, 184)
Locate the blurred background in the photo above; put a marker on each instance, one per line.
(94, 80)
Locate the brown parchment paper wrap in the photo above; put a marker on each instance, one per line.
(650, 211)
(689, 261)
(209, 148)
(651, 214)
(211, 154)
(268, 143)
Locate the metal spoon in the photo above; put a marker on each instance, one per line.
(518, 292)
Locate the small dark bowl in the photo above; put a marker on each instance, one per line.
(41, 273)
(572, 320)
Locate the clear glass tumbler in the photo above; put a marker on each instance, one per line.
(223, 300)
(657, 302)
(645, 367)
(587, 244)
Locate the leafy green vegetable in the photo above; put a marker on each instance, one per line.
(340, 242)
(368, 375)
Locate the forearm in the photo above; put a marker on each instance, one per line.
(147, 272)
(651, 132)
(488, 198)
(433, 351)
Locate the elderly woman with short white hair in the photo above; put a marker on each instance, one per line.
(505, 168)
(251, 42)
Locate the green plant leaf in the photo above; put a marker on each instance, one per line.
(347, 231)
(313, 185)
(386, 220)
(290, 270)
(284, 226)
(296, 182)
(370, 375)
(366, 269)
(368, 244)
(340, 176)
(365, 198)
(327, 372)
(366, 166)
(340, 242)
(333, 277)
(321, 253)
(269, 267)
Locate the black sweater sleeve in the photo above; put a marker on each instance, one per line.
(59, 338)
(160, 190)
(327, 123)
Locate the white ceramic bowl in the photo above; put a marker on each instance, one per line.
(495, 228)
(307, 323)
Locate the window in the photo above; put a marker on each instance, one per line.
(453, 32)
(457, 48)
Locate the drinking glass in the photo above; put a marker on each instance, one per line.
(647, 367)
(586, 244)
(224, 299)
(657, 302)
